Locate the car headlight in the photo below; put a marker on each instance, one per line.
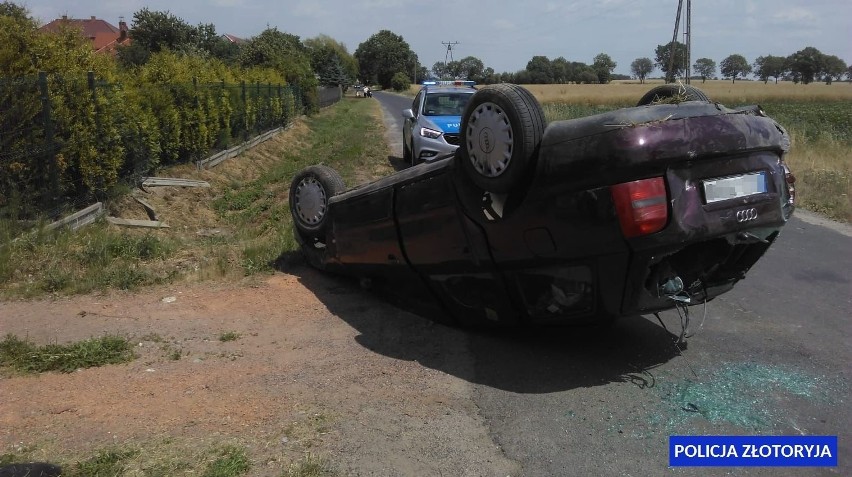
(430, 133)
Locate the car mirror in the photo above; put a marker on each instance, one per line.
(408, 114)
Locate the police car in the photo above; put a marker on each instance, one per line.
(431, 126)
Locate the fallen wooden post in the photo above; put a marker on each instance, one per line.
(155, 224)
(172, 181)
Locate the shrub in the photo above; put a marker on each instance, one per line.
(400, 82)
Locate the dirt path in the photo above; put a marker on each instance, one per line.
(296, 380)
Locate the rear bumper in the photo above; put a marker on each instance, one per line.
(707, 246)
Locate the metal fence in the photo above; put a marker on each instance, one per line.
(329, 96)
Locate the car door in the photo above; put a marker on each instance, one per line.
(410, 123)
(449, 251)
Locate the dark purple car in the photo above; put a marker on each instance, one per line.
(637, 210)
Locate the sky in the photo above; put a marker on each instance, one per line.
(505, 35)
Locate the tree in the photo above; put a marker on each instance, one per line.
(770, 66)
(807, 64)
(641, 68)
(284, 53)
(280, 51)
(835, 68)
(155, 31)
(733, 66)
(9, 9)
(453, 70)
(705, 67)
(331, 61)
(559, 70)
(587, 76)
(440, 70)
(849, 73)
(470, 68)
(489, 77)
(579, 72)
(663, 56)
(204, 37)
(400, 82)
(603, 66)
(227, 51)
(18, 42)
(507, 77)
(422, 73)
(520, 77)
(539, 70)
(205, 40)
(383, 55)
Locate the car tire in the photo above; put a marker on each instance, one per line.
(666, 91)
(501, 131)
(310, 191)
(406, 153)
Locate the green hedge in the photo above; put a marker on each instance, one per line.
(74, 124)
(85, 137)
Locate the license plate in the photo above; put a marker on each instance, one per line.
(734, 187)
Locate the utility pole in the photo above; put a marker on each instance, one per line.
(670, 73)
(688, 39)
(687, 36)
(449, 53)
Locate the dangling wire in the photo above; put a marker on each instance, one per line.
(700, 325)
(683, 313)
(704, 317)
(681, 305)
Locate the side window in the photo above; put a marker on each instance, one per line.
(432, 105)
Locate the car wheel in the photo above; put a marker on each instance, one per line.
(667, 92)
(310, 191)
(501, 130)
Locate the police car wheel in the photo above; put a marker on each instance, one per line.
(501, 130)
(406, 153)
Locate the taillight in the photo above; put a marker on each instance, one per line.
(642, 206)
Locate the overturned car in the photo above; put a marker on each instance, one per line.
(637, 210)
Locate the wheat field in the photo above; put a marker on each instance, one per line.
(741, 92)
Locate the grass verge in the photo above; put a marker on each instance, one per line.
(24, 356)
(172, 458)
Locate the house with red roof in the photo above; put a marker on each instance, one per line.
(105, 37)
(233, 39)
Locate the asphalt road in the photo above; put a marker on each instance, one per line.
(772, 357)
(392, 105)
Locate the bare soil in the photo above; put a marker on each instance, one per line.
(301, 377)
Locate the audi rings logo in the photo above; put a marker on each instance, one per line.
(746, 215)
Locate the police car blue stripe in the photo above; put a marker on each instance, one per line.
(448, 124)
